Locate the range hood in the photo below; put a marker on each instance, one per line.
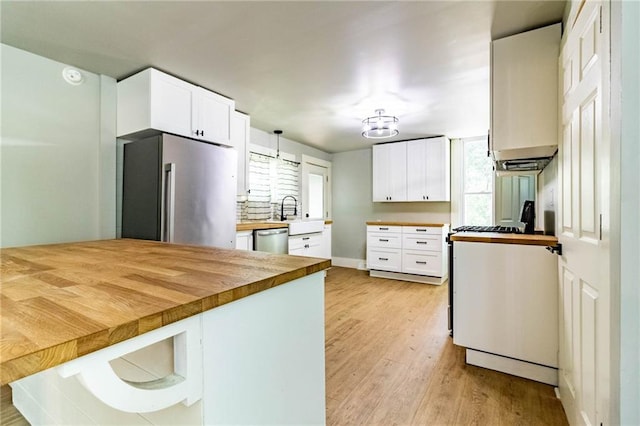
(523, 161)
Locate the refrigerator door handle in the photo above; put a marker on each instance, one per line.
(170, 201)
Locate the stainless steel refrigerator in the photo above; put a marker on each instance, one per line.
(179, 190)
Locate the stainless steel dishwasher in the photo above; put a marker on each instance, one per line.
(271, 240)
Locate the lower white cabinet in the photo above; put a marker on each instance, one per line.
(317, 244)
(244, 240)
(411, 253)
(306, 245)
(326, 242)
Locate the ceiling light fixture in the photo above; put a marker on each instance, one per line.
(380, 126)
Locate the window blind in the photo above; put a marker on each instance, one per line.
(270, 180)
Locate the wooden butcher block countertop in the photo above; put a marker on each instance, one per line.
(388, 223)
(494, 237)
(251, 226)
(63, 301)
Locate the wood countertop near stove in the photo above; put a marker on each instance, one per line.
(494, 237)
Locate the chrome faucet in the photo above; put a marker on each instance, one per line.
(295, 207)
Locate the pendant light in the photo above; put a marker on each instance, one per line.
(278, 133)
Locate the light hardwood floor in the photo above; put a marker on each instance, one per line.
(390, 361)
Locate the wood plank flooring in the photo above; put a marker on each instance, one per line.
(390, 361)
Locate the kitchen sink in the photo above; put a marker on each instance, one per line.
(297, 227)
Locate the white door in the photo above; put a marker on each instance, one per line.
(583, 214)
(317, 181)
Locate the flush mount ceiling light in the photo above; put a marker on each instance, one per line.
(380, 126)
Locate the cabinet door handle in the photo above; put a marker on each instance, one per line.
(421, 230)
(427, 195)
(421, 242)
(305, 238)
(421, 262)
(306, 246)
(383, 258)
(383, 240)
(202, 134)
(383, 229)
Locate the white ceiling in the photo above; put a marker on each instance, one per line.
(314, 69)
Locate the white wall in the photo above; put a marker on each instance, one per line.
(547, 194)
(630, 208)
(58, 153)
(352, 205)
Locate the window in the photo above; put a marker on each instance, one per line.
(477, 183)
(270, 180)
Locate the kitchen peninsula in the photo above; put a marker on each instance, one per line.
(156, 331)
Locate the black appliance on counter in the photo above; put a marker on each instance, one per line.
(528, 216)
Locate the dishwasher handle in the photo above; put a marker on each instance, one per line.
(266, 232)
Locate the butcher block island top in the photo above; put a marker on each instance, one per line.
(495, 237)
(62, 301)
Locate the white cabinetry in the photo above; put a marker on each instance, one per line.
(506, 308)
(306, 245)
(240, 131)
(417, 170)
(428, 169)
(422, 252)
(316, 244)
(410, 253)
(244, 240)
(326, 241)
(389, 172)
(154, 101)
(524, 94)
(384, 248)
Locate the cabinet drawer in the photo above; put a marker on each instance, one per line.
(305, 241)
(384, 259)
(422, 263)
(384, 228)
(425, 242)
(422, 230)
(384, 240)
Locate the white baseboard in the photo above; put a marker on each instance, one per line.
(347, 262)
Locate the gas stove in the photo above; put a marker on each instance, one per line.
(495, 228)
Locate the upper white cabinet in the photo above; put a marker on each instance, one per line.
(389, 172)
(240, 136)
(417, 170)
(524, 94)
(428, 169)
(152, 100)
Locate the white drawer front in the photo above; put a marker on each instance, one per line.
(422, 263)
(304, 241)
(384, 240)
(431, 230)
(426, 242)
(384, 260)
(384, 228)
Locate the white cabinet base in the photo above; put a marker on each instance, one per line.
(515, 367)
(408, 277)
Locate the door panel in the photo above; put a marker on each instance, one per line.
(583, 175)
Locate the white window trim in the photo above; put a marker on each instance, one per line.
(457, 182)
